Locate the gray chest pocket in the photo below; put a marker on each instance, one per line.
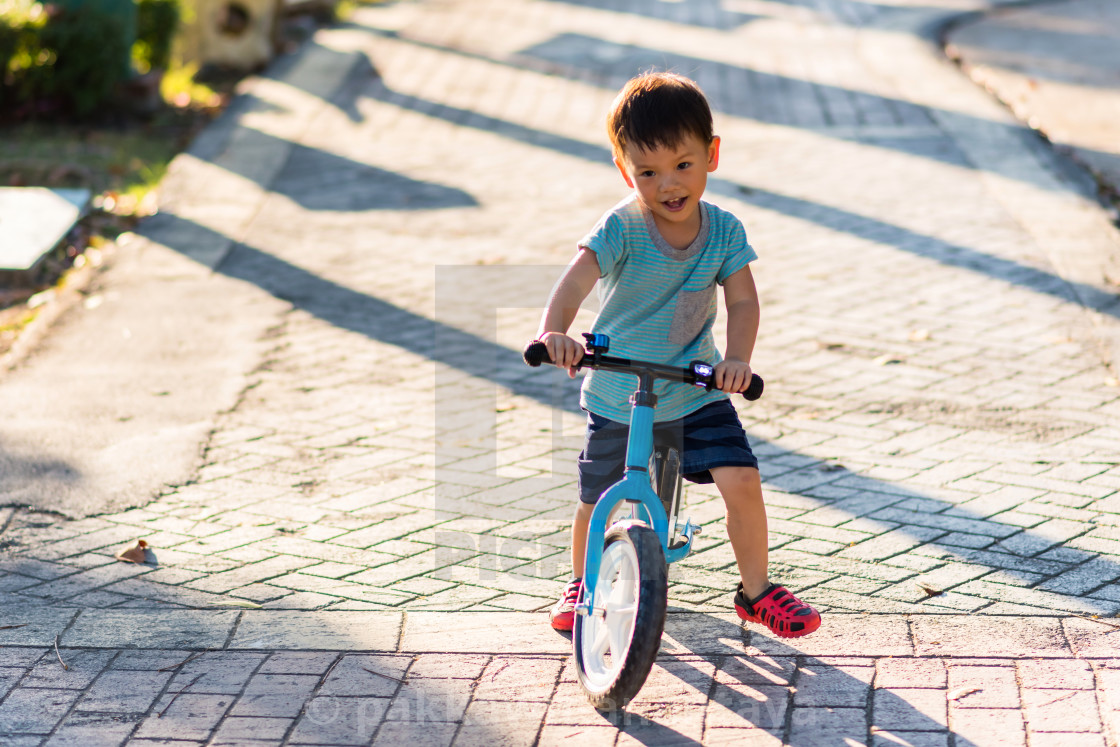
(693, 308)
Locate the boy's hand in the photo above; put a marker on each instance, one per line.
(564, 351)
(732, 376)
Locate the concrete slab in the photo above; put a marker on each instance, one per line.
(1092, 638)
(179, 629)
(34, 626)
(482, 632)
(339, 631)
(33, 220)
(1058, 67)
(944, 635)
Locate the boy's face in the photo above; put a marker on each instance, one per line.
(671, 181)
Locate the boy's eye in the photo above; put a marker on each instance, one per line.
(647, 172)
(683, 165)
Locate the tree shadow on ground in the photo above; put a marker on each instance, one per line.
(736, 685)
(838, 219)
(907, 517)
(318, 180)
(25, 480)
(801, 699)
(837, 112)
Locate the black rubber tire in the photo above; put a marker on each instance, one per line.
(649, 622)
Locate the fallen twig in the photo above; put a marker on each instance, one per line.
(499, 670)
(1070, 694)
(13, 627)
(331, 669)
(180, 692)
(187, 660)
(245, 603)
(1114, 626)
(394, 679)
(60, 661)
(962, 692)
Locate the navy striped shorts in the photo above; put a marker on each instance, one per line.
(709, 437)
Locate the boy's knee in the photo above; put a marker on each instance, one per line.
(743, 478)
(738, 485)
(583, 511)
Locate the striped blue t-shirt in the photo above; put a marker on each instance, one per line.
(658, 303)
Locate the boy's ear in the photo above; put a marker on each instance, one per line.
(622, 170)
(713, 154)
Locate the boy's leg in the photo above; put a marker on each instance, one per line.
(741, 488)
(562, 614)
(579, 537)
(758, 600)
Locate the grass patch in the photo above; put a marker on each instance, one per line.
(121, 161)
(121, 158)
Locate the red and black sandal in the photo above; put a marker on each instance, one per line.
(562, 616)
(778, 609)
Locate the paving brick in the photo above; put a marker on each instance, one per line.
(298, 662)
(379, 676)
(1061, 711)
(1054, 739)
(885, 738)
(150, 629)
(833, 686)
(343, 721)
(998, 726)
(184, 716)
(827, 724)
(79, 730)
(518, 679)
(910, 673)
(908, 709)
(34, 711)
(318, 630)
(123, 691)
(982, 686)
(431, 700)
(395, 733)
(222, 673)
(239, 730)
(81, 668)
(1060, 674)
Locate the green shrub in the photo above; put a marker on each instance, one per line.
(68, 60)
(88, 47)
(20, 50)
(157, 22)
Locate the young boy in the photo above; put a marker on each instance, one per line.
(657, 257)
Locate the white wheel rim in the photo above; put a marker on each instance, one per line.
(605, 639)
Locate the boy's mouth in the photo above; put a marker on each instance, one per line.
(674, 205)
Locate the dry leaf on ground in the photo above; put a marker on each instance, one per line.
(134, 552)
(960, 692)
(237, 603)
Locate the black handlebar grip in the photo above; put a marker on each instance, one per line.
(754, 391)
(536, 353)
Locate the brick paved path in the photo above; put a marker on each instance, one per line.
(393, 488)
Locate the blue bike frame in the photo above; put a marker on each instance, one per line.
(635, 489)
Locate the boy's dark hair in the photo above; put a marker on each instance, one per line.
(658, 110)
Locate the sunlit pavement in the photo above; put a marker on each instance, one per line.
(364, 549)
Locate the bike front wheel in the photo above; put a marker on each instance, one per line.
(616, 644)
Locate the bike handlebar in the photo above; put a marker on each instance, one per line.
(536, 353)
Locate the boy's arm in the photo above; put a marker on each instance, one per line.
(741, 297)
(563, 305)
